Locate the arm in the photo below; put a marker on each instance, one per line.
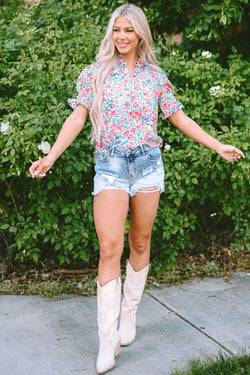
(189, 127)
(70, 130)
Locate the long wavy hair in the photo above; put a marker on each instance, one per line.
(108, 56)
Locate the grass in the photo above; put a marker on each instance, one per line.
(86, 284)
(50, 289)
(50, 281)
(220, 365)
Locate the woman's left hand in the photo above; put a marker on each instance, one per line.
(230, 152)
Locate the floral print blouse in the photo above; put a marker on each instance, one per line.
(130, 103)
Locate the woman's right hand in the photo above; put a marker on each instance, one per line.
(71, 128)
(39, 168)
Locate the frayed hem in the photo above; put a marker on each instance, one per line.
(109, 188)
(155, 189)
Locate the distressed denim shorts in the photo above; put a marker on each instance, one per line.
(129, 169)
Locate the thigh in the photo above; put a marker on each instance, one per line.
(110, 212)
(143, 210)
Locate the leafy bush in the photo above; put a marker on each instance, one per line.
(219, 25)
(44, 49)
(204, 192)
(210, 24)
(43, 53)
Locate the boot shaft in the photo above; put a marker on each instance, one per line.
(108, 305)
(134, 284)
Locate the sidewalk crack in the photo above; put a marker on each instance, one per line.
(190, 323)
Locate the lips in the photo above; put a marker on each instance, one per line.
(122, 45)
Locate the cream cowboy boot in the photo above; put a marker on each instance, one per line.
(133, 289)
(108, 309)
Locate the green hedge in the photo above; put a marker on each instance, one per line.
(43, 53)
(44, 49)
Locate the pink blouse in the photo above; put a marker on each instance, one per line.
(130, 103)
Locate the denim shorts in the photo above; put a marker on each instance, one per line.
(129, 169)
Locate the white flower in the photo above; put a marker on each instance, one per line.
(217, 91)
(5, 127)
(36, 2)
(174, 53)
(45, 147)
(167, 147)
(211, 215)
(206, 54)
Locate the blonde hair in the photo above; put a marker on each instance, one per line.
(108, 56)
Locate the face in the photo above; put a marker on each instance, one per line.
(124, 37)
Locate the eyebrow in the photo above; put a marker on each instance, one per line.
(127, 28)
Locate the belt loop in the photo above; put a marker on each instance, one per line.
(142, 150)
(112, 151)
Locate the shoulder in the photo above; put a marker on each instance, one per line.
(160, 77)
(88, 72)
(155, 71)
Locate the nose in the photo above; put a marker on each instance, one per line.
(121, 35)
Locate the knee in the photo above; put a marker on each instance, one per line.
(109, 251)
(140, 244)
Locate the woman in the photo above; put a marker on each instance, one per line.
(122, 91)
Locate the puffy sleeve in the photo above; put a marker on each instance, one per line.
(84, 88)
(167, 102)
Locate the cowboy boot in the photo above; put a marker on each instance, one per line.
(133, 289)
(108, 309)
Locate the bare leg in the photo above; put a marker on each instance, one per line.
(143, 208)
(143, 211)
(110, 212)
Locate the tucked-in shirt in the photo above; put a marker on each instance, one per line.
(130, 103)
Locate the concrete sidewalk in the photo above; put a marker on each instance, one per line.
(58, 336)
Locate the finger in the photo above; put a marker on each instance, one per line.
(34, 165)
(240, 153)
(237, 156)
(40, 175)
(234, 153)
(34, 169)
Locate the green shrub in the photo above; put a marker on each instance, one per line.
(210, 24)
(43, 53)
(203, 191)
(220, 25)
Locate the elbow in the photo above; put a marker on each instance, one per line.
(180, 120)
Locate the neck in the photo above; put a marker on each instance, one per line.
(130, 60)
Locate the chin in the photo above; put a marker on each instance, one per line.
(121, 50)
